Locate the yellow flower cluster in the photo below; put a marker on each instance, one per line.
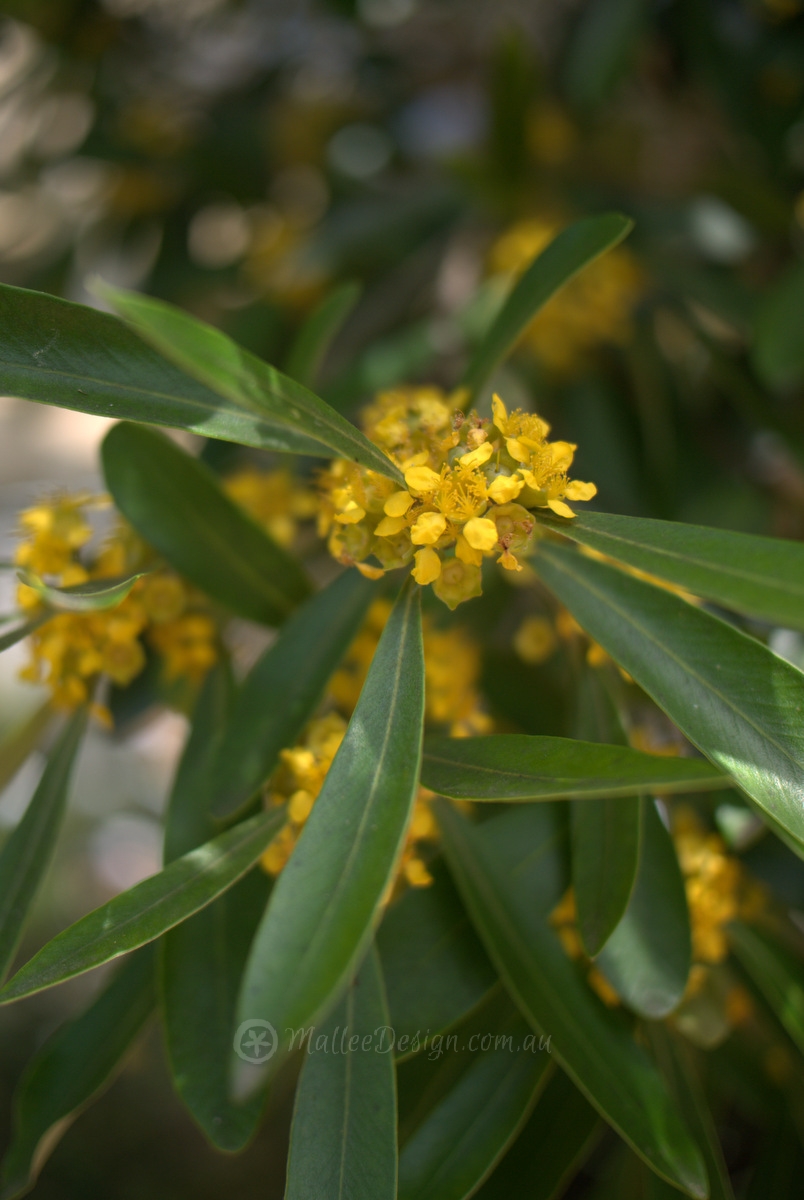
(713, 879)
(452, 668)
(71, 651)
(274, 499)
(595, 307)
(469, 486)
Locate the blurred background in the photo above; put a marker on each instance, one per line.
(242, 157)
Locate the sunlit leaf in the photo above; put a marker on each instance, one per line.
(776, 971)
(177, 505)
(93, 596)
(343, 1137)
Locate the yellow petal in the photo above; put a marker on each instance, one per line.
(351, 514)
(467, 553)
(505, 488)
(428, 566)
(397, 504)
(428, 529)
(388, 526)
(480, 533)
(580, 491)
(500, 413)
(509, 561)
(422, 479)
(518, 451)
(370, 572)
(558, 506)
(476, 458)
(416, 460)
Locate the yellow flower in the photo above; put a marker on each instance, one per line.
(463, 477)
(274, 499)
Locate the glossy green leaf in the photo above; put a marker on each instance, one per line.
(201, 960)
(647, 958)
(146, 911)
(515, 766)
(673, 1058)
(317, 333)
(21, 740)
(735, 699)
(572, 250)
(220, 364)
(327, 900)
(280, 693)
(551, 1148)
(434, 965)
(605, 836)
(590, 1041)
(93, 596)
(74, 1064)
(177, 505)
(343, 1136)
(27, 853)
(484, 1090)
(761, 576)
(16, 635)
(56, 352)
(776, 972)
(778, 351)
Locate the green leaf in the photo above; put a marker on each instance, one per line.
(735, 699)
(672, 1055)
(551, 1148)
(778, 352)
(484, 1090)
(327, 900)
(93, 596)
(220, 364)
(176, 504)
(72, 1067)
(572, 250)
(776, 972)
(761, 576)
(201, 960)
(516, 766)
(317, 333)
(590, 1041)
(280, 693)
(27, 853)
(146, 911)
(56, 352)
(647, 958)
(605, 836)
(21, 740)
(16, 635)
(343, 1136)
(434, 966)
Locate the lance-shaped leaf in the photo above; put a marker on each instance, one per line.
(146, 911)
(516, 766)
(16, 635)
(92, 596)
(647, 958)
(761, 576)
(57, 352)
(605, 835)
(567, 254)
(72, 1067)
(472, 1105)
(776, 971)
(591, 1042)
(434, 965)
(343, 1136)
(736, 700)
(317, 333)
(551, 1148)
(176, 504)
(21, 740)
(201, 961)
(27, 853)
(240, 377)
(327, 900)
(279, 694)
